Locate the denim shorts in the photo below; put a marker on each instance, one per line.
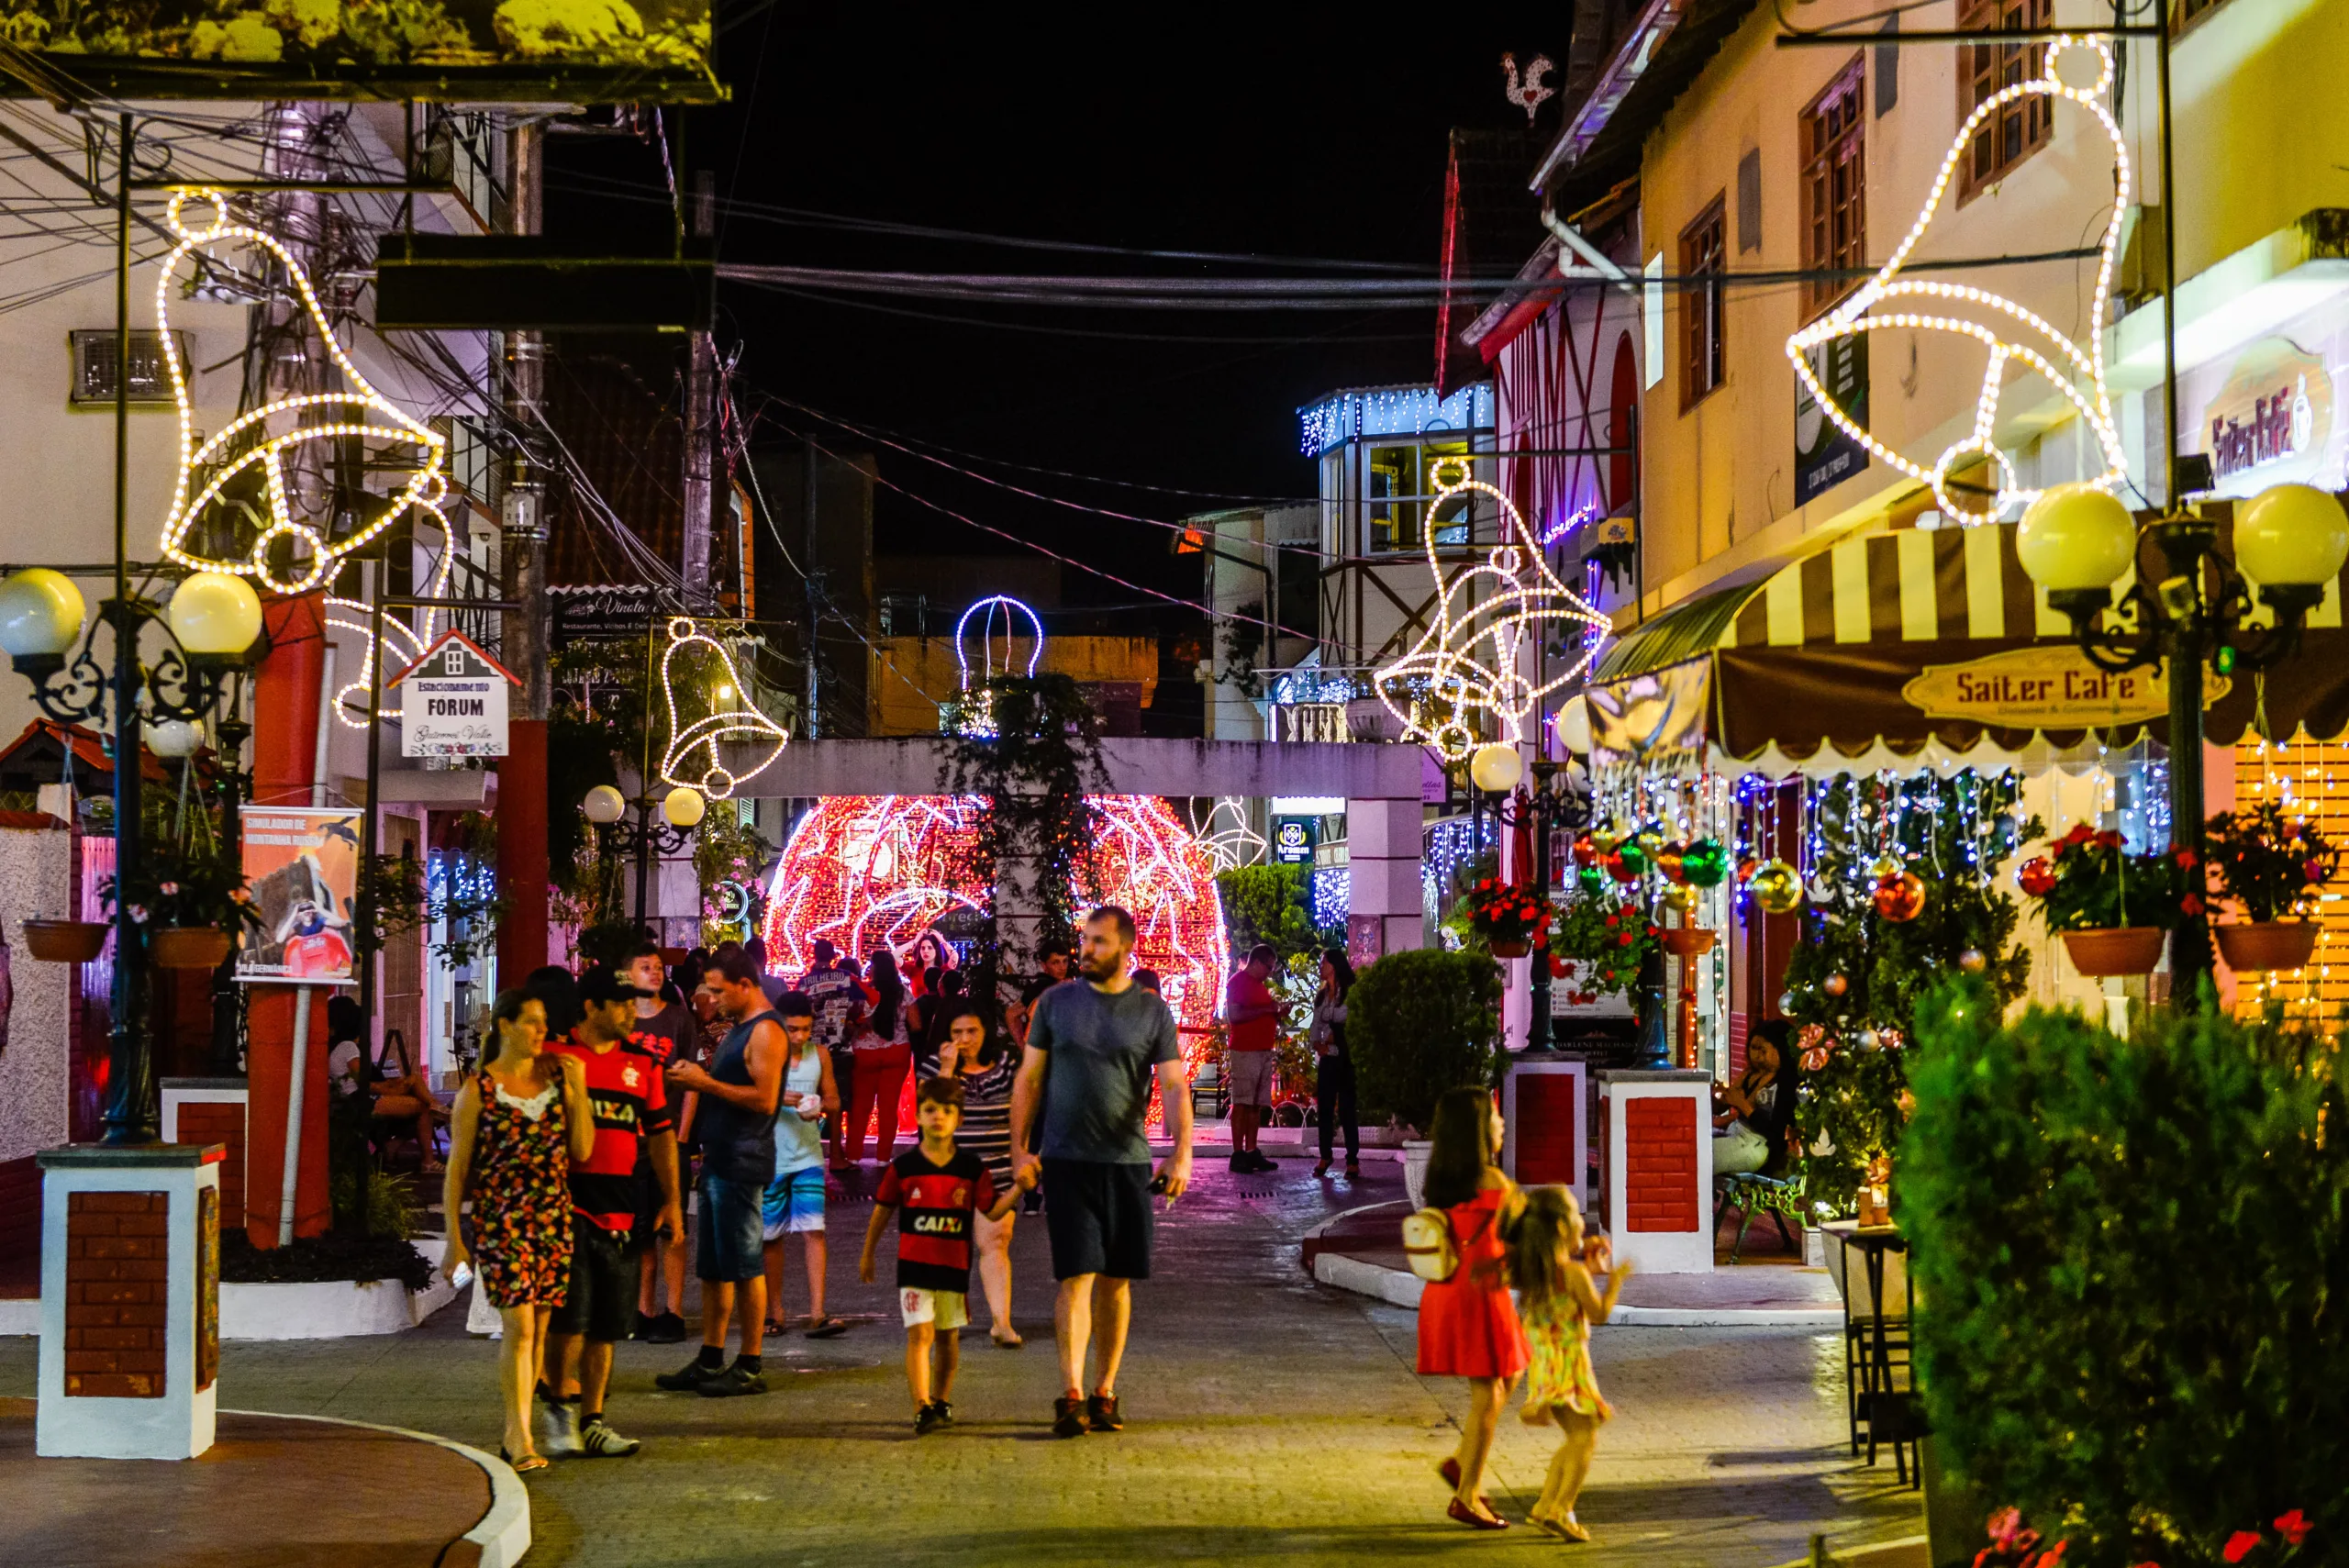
(793, 1203)
(730, 1238)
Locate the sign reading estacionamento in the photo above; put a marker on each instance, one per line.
(2052, 688)
(452, 701)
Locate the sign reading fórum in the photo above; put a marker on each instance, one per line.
(452, 701)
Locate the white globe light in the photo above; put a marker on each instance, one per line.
(684, 806)
(604, 804)
(1574, 725)
(214, 612)
(173, 738)
(1497, 767)
(41, 613)
(2075, 536)
(2293, 536)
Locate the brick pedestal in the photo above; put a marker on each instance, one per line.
(1658, 1157)
(129, 1309)
(1546, 1106)
(211, 1111)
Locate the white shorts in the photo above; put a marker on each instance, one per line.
(942, 1310)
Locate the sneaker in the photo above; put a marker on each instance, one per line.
(1354, 1171)
(945, 1409)
(1240, 1165)
(1320, 1168)
(1262, 1163)
(733, 1381)
(929, 1419)
(1101, 1411)
(1068, 1417)
(557, 1428)
(666, 1329)
(599, 1441)
(687, 1378)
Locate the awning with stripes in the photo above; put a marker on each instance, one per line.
(1911, 648)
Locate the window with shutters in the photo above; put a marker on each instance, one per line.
(1704, 257)
(1834, 190)
(2020, 127)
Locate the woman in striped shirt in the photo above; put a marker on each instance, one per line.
(986, 1070)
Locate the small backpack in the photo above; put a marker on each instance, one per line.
(1428, 1243)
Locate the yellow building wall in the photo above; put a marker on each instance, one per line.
(911, 675)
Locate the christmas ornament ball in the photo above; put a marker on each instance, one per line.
(1650, 838)
(1835, 985)
(2035, 876)
(1679, 896)
(1631, 855)
(1900, 898)
(1870, 1041)
(1590, 878)
(1705, 863)
(1884, 866)
(1585, 849)
(1785, 1002)
(1670, 860)
(1618, 865)
(1778, 887)
(1973, 961)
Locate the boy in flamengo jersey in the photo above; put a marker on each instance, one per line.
(934, 1188)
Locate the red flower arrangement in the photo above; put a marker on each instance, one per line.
(1503, 914)
(1612, 941)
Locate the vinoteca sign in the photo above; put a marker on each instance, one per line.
(2052, 687)
(452, 701)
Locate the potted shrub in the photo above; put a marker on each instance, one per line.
(65, 942)
(1418, 1022)
(2113, 909)
(2270, 865)
(1609, 940)
(190, 899)
(1508, 918)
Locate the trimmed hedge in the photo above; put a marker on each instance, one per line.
(1419, 1022)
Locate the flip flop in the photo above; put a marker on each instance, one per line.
(827, 1328)
(774, 1327)
(1010, 1342)
(523, 1465)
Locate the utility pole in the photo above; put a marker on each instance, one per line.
(701, 423)
(810, 723)
(522, 772)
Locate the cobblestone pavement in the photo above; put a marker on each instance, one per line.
(1269, 1418)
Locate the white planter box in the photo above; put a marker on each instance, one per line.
(332, 1309)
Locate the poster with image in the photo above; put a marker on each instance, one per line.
(302, 865)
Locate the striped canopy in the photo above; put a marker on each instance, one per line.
(1912, 648)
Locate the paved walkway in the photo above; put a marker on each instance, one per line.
(1270, 1419)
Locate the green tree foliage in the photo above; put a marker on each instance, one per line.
(1950, 833)
(2131, 1261)
(1271, 904)
(1421, 1021)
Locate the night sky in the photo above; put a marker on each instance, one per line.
(1268, 130)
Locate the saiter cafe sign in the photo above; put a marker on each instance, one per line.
(2052, 687)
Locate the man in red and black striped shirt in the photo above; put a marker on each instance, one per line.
(625, 1091)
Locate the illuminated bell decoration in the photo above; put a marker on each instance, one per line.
(1497, 767)
(1585, 850)
(2291, 536)
(1631, 861)
(41, 613)
(604, 805)
(1973, 960)
(212, 612)
(2035, 877)
(684, 806)
(1778, 887)
(1668, 861)
(1705, 863)
(1884, 866)
(1835, 985)
(1680, 896)
(1900, 898)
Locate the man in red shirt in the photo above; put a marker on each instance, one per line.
(1250, 1015)
(625, 1091)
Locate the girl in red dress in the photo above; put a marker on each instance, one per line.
(1468, 1325)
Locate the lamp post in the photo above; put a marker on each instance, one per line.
(680, 812)
(2290, 540)
(1497, 768)
(209, 630)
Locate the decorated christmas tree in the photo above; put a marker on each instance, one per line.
(1901, 894)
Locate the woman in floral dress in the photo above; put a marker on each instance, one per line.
(519, 1123)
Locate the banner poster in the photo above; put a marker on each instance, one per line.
(302, 865)
(468, 51)
(1825, 453)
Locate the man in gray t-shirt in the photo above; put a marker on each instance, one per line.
(1097, 1041)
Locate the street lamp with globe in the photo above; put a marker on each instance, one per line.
(209, 629)
(2190, 606)
(682, 809)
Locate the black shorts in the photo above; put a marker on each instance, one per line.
(602, 1300)
(1098, 1215)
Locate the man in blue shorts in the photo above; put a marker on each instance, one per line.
(1098, 1041)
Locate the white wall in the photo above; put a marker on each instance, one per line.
(35, 1072)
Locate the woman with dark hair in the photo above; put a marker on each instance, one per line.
(1468, 1327)
(1760, 1103)
(933, 1009)
(558, 989)
(522, 1121)
(885, 1057)
(973, 1055)
(1333, 1086)
(933, 956)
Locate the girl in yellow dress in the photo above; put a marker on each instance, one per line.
(1554, 1271)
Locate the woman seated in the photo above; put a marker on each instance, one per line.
(1758, 1104)
(396, 1093)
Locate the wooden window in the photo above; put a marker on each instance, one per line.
(2020, 127)
(1704, 254)
(1834, 188)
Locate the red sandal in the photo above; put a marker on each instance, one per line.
(1474, 1521)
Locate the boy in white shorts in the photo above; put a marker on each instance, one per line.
(933, 1188)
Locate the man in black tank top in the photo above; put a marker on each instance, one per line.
(735, 1124)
